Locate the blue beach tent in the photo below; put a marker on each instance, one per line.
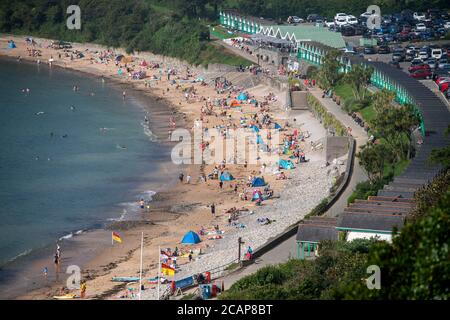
(286, 164)
(259, 140)
(242, 96)
(277, 126)
(11, 45)
(258, 182)
(226, 176)
(190, 238)
(255, 128)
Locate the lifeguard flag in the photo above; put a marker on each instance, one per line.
(116, 237)
(167, 270)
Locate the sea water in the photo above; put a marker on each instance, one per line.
(70, 159)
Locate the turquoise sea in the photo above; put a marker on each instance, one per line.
(70, 160)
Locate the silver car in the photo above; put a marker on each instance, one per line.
(432, 63)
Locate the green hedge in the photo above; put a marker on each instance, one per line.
(328, 120)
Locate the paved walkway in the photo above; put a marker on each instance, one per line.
(360, 136)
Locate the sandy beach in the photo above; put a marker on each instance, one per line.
(180, 206)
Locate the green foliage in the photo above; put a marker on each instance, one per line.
(373, 158)
(428, 195)
(367, 188)
(136, 25)
(442, 155)
(319, 209)
(416, 265)
(359, 79)
(329, 121)
(339, 263)
(329, 74)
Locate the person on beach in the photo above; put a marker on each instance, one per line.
(58, 251)
(83, 288)
(142, 203)
(181, 177)
(124, 95)
(190, 257)
(213, 209)
(45, 271)
(188, 179)
(221, 184)
(56, 261)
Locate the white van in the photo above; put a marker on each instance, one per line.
(436, 53)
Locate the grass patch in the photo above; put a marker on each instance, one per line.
(220, 32)
(397, 170)
(213, 54)
(368, 113)
(232, 266)
(344, 91)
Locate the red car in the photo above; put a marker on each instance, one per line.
(422, 66)
(444, 86)
(421, 74)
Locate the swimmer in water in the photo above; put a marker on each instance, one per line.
(72, 108)
(51, 134)
(39, 113)
(64, 135)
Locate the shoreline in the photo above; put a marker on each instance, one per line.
(73, 239)
(185, 204)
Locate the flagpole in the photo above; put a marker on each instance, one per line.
(159, 269)
(140, 273)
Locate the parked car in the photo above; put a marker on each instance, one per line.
(398, 56)
(421, 27)
(313, 17)
(423, 55)
(384, 49)
(422, 66)
(419, 16)
(369, 50)
(340, 15)
(444, 66)
(351, 20)
(432, 63)
(436, 53)
(395, 64)
(340, 21)
(443, 87)
(421, 74)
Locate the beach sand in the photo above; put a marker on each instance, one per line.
(182, 207)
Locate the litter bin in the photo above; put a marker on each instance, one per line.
(205, 291)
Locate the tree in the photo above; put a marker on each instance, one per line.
(373, 158)
(329, 73)
(442, 155)
(359, 80)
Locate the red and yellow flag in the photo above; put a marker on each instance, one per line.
(116, 237)
(167, 270)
